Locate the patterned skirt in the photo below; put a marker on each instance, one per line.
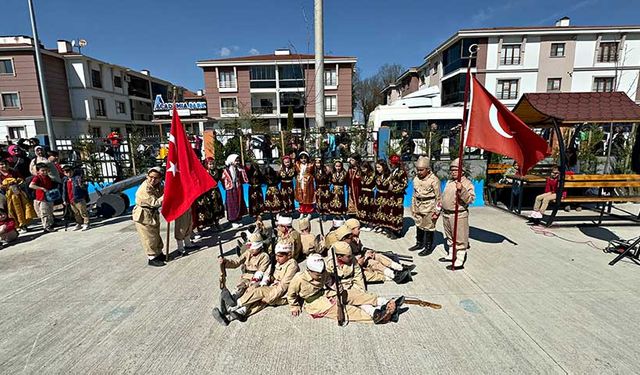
(235, 204)
(256, 200)
(208, 208)
(273, 202)
(382, 215)
(323, 199)
(366, 207)
(396, 219)
(286, 196)
(338, 206)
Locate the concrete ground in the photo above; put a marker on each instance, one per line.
(527, 302)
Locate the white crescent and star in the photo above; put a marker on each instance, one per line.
(172, 139)
(495, 122)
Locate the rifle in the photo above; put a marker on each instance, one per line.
(321, 226)
(391, 254)
(339, 289)
(419, 302)
(223, 269)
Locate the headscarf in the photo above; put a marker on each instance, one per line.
(230, 159)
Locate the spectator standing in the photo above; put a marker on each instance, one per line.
(75, 196)
(18, 161)
(18, 203)
(42, 184)
(40, 157)
(435, 142)
(407, 145)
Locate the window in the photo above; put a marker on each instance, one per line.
(227, 79)
(95, 132)
(6, 66)
(557, 49)
(17, 132)
(331, 103)
(553, 84)
(603, 84)
(117, 81)
(608, 52)
(98, 104)
(96, 78)
(228, 106)
(121, 107)
(291, 76)
(510, 54)
(263, 77)
(10, 100)
(507, 89)
(330, 77)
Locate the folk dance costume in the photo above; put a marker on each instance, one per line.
(233, 177)
(353, 184)
(209, 208)
(287, 174)
(398, 184)
(305, 193)
(273, 200)
(256, 198)
(337, 206)
(366, 201)
(323, 193)
(383, 199)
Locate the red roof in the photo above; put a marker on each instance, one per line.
(273, 57)
(577, 107)
(190, 95)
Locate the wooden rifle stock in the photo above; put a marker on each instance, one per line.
(419, 302)
(339, 289)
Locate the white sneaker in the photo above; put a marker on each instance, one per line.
(85, 227)
(236, 225)
(77, 227)
(196, 237)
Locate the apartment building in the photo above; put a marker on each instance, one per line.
(270, 86)
(86, 95)
(512, 61)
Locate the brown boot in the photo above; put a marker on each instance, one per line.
(384, 314)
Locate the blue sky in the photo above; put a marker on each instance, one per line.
(167, 37)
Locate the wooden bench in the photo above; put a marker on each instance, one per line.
(605, 183)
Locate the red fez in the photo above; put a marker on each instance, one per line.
(394, 159)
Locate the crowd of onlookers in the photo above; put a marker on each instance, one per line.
(32, 183)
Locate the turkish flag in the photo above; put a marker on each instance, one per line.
(493, 127)
(185, 179)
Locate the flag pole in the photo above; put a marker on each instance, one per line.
(166, 249)
(472, 51)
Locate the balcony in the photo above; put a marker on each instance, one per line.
(263, 110)
(263, 103)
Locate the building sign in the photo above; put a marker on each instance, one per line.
(161, 108)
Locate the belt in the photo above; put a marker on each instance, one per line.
(366, 189)
(425, 199)
(287, 180)
(150, 208)
(339, 185)
(453, 211)
(258, 185)
(383, 191)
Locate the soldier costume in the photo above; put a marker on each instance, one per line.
(286, 234)
(308, 240)
(253, 262)
(338, 180)
(182, 229)
(146, 215)
(426, 199)
(270, 292)
(467, 196)
(314, 291)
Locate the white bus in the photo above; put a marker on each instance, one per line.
(417, 122)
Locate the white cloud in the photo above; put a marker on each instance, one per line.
(254, 51)
(224, 52)
(235, 48)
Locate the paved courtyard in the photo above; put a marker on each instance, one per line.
(79, 303)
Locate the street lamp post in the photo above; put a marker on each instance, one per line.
(43, 86)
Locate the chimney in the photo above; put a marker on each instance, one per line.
(199, 93)
(563, 22)
(64, 46)
(283, 52)
(145, 72)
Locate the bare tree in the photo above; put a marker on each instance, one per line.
(367, 93)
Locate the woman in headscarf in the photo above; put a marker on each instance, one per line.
(304, 184)
(338, 180)
(233, 177)
(382, 218)
(256, 198)
(209, 208)
(353, 183)
(287, 174)
(323, 196)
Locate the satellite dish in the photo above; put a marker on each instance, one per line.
(82, 43)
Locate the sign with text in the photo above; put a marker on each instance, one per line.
(160, 108)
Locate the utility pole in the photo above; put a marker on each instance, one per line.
(319, 64)
(43, 87)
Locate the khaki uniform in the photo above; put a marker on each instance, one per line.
(467, 196)
(249, 264)
(146, 215)
(426, 196)
(183, 226)
(372, 269)
(319, 301)
(308, 242)
(273, 295)
(293, 238)
(350, 274)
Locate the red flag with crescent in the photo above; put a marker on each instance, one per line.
(493, 127)
(185, 179)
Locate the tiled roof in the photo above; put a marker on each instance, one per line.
(577, 107)
(273, 57)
